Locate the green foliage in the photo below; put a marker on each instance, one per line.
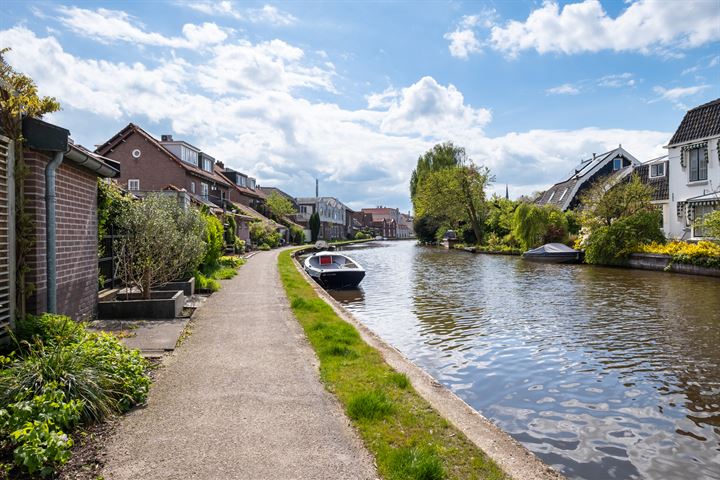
(297, 234)
(264, 233)
(350, 369)
(203, 282)
(556, 229)
(279, 206)
(314, 224)
(230, 229)
(224, 273)
(426, 228)
(529, 225)
(611, 245)
(110, 203)
(264, 247)
(710, 222)
(59, 376)
(373, 405)
(362, 236)
(213, 238)
(160, 241)
(455, 196)
(231, 261)
(500, 214)
(442, 155)
(400, 380)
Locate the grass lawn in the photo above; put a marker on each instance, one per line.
(409, 439)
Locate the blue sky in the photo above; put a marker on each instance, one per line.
(354, 92)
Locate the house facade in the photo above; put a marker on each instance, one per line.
(385, 219)
(149, 165)
(694, 170)
(245, 190)
(566, 194)
(405, 226)
(76, 238)
(333, 221)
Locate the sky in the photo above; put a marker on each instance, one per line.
(352, 92)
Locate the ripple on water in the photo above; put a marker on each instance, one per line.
(604, 373)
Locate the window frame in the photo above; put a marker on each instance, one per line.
(619, 162)
(204, 190)
(133, 181)
(700, 165)
(657, 166)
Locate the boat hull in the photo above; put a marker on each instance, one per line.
(337, 280)
(554, 258)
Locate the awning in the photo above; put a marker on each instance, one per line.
(712, 198)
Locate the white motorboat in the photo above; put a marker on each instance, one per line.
(334, 270)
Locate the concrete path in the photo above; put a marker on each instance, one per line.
(241, 399)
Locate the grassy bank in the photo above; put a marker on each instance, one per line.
(408, 438)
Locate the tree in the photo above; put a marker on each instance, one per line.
(314, 226)
(608, 200)
(159, 242)
(19, 96)
(529, 225)
(455, 195)
(442, 155)
(711, 223)
(279, 206)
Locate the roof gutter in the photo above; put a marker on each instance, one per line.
(92, 163)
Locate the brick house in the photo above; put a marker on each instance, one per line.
(152, 165)
(76, 230)
(385, 219)
(244, 190)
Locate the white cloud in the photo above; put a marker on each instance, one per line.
(363, 156)
(382, 100)
(617, 81)
(108, 26)
(271, 15)
(462, 43)
(268, 14)
(675, 95)
(646, 26)
(564, 89)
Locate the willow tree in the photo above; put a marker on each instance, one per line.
(19, 98)
(455, 195)
(441, 156)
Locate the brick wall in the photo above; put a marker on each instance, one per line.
(77, 255)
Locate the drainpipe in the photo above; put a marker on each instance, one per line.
(51, 232)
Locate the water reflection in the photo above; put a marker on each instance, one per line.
(605, 373)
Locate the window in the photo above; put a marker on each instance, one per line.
(700, 212)
(192, 187)
(698, 165)
(563, 194)
(251, 183)
(657, 170)
(133, 184)
(188, 156)
(207, 164)
(204, 190)
(242, 181)
(617, 163)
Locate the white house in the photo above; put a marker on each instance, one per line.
(694, 170)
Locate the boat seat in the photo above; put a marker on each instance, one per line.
(325, 260)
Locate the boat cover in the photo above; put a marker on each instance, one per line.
(551, 248)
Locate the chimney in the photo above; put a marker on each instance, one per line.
(593, 155)
(166, 138)
(317, 188)
(220, 164)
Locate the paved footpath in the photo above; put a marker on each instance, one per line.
(240, 399)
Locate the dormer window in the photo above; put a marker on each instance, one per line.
(188, 156)
(617, 163)
(240, 180)
(207, 164)
(657, 170)
(251, 183)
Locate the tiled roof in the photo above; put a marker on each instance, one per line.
(700, 122)
(132, 128)
(660, 184)
(257, 193)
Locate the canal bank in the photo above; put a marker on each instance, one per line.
(514, 459)
(601, 372)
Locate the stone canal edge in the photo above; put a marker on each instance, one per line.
(515, 460)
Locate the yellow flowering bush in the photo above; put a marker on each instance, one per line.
(704, 253)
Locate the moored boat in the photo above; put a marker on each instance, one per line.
(553, 253)
(333, 270)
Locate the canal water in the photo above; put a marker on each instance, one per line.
(603, 373)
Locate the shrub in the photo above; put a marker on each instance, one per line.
(297, 235)
(264, 233)
(704, 254)
(711, 223)
(213, 239)
(530, 224)
(160, 242)
(59, 376)
(230, 261)
(224, 273)
(369, 405)
(205, 283)
(314, 224)
(264, 247)
(611, 245)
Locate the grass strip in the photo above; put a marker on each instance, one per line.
(409, 439)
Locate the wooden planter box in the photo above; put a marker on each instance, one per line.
(654, 261)
(187, 286)
(162, 304)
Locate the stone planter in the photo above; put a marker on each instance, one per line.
(654, 261)
(162, 304)
(187, 286)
